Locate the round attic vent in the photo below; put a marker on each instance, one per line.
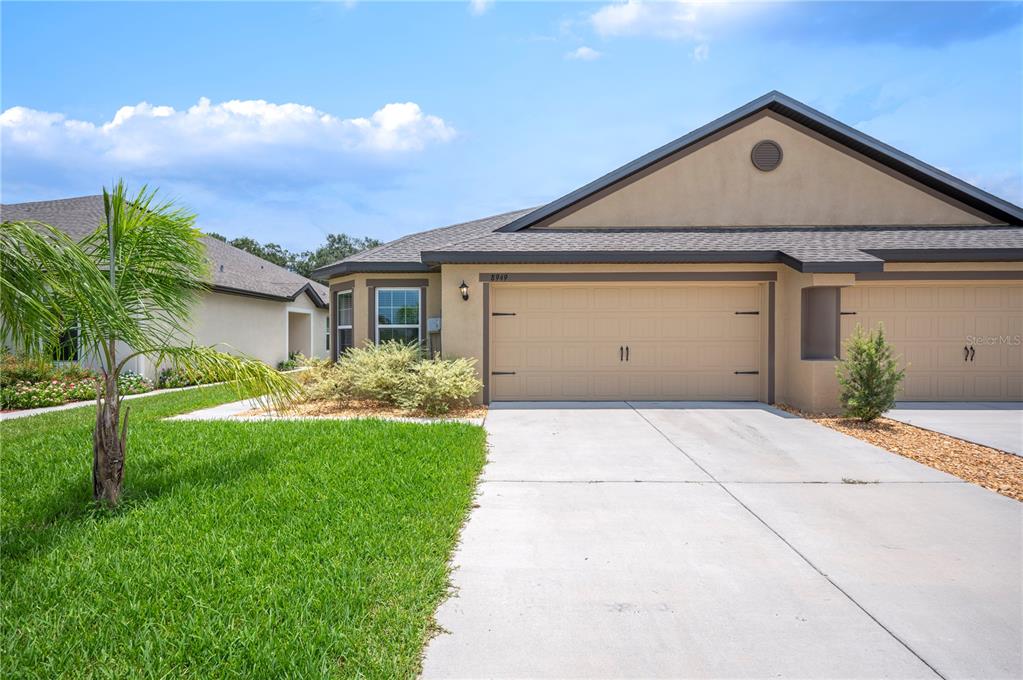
(766, 155)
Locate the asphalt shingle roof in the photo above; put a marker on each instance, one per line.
(853, 248)
(233, 269)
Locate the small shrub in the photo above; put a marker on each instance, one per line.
(396, 374)
(15, 369)
(869, 375)
(294, 360)
(435, 385)
(376, 372)
(73, 385)
(172, 377)
(133, 383)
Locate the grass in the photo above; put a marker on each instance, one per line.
(269, 549)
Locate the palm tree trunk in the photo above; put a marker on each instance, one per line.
(108, 443)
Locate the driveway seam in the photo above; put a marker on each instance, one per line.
(786, 542)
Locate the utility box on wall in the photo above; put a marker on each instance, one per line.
(433, 324)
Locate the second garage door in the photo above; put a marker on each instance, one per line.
(961, 342)
(625, 342)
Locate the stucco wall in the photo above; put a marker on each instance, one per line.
(806, 384)
(251, 326)
(362, 328)
(817, 183)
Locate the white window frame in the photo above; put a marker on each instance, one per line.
(326, 344)
(340, 326)
(419, 318)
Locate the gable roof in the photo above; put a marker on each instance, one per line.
(233, 270)
(405, 254)
(811, 118)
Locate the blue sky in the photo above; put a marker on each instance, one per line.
(289, 121)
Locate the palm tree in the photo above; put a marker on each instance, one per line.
(130, 284)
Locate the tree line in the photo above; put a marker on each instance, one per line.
(337, 247)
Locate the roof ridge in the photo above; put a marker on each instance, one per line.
(821, 123)
(52, 200)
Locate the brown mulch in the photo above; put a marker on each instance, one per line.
(366, 409)
(993, 469)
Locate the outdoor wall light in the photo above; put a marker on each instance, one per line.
(464, 290)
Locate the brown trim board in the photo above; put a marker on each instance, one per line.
(371, 328)
(424, 340)
(486, 343)
(770, 342)
(941, 276)
(595, 277)
(332, 292)
(397, 283)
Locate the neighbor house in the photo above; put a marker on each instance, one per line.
(728, 264)
(253, 307)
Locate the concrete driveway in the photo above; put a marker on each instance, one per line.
(723, 540)
(994, 423)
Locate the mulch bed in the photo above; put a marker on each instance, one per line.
(367, 409)
(993, 469)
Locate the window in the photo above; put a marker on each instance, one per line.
(327, 340)
(345, 314)
(398, 314)
(67, 346)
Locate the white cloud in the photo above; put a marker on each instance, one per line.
(701, 52)
(478, 7)
(583, 54)
(661, 19)
(251, 140)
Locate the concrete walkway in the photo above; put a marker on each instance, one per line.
(723, 540)
(993, 423)
(13, 415)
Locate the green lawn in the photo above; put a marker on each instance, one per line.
(286, 549)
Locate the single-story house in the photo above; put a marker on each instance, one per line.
(253, 307)
(728, 264)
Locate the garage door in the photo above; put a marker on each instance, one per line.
(961, 342)
(625, 342)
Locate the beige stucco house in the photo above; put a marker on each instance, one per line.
(253, 307)
(728, 264)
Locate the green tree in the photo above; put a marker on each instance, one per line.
(132, 283)
(869, 375)
(337, 247)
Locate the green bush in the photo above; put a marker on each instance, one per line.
(377, 372)
(869, 375)
(435, 385)
(65, 384)
(294, 360)
(396, 374)
(15, 369)
(172, 377)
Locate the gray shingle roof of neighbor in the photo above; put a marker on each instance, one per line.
(508, 238)
(233, 270)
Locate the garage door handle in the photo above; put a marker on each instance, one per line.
(972, 352)
(966, 353)
(502, 373)
(753, 313)
(502, 314)
(747, 372)
(621, 352)
(626, 352)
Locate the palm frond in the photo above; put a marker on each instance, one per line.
(160, 260)
(47, 284)
(251, 377)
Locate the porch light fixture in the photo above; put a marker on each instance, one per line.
(464, 290)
